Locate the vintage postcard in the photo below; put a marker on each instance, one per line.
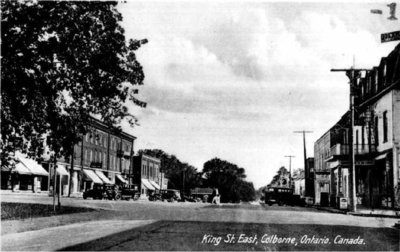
(184, 125)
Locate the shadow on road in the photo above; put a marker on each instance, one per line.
(227, 236)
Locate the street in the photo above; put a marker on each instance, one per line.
(144, 225)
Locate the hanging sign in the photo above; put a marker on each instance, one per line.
(391, 36)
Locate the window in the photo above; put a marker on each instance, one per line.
(86, 156)
(356, 139)
(385, 127)
(376, 131)
(384, 73)
(91, 156)
(87, 137)
(362, 137)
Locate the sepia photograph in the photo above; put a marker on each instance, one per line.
(178, 125)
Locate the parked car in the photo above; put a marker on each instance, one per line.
(169, 195)
(154, 195)
(99, 192)
(129, 191)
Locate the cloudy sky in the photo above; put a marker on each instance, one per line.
(234, 80)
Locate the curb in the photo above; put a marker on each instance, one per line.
(375, 215)
(331, 210)
(357, 214)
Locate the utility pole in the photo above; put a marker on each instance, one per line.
(290, 170)
(306, 168)
(353, 75)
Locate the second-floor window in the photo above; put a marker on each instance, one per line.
(357, 139)
(385, 127)
(376, 131)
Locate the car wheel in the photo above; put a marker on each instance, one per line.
(84, 197)
(280, 203)
(117, 197)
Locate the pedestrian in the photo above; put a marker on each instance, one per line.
(216, 199)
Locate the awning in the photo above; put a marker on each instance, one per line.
(382, 156)
(154, 184)
(92, 176)
(61, 170)
(103, 177)
(121, 178)
(34, 167)
(147, 184)
(20, 168)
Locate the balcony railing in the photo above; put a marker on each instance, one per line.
(360, 149)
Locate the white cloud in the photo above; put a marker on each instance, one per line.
(235, 80)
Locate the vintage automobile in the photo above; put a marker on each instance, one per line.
(154, 195)
(100, 192)
(129, 191)
(169, 195)
(280, 196)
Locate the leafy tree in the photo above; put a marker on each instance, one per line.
(180, 175)
(63, 62)
(246, 191)
(281, 178)
(229, 179)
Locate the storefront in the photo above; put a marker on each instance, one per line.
(24, 173)
(146, 186)
(89, 179)
(120, 180)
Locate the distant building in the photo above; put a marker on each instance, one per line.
(321, 170)
(376, 142)
(309, 178)
(147, 173)
(299, 182)
(104, 156)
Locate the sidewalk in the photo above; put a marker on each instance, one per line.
(24, 192)
(40, 193)
(389, 213)
(384, 213)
